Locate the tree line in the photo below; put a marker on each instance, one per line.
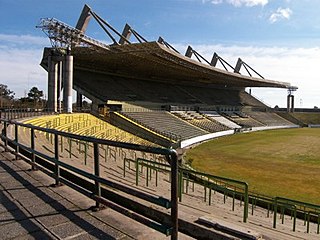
(34, 98)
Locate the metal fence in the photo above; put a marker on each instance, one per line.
(180, 178)
(92, 184)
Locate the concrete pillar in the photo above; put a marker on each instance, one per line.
(52, 84)
(59, 87)
(67, 83)
(290, 103)
(79, 101)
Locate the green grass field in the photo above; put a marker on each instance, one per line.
(282, 163)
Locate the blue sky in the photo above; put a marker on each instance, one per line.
(279, 38)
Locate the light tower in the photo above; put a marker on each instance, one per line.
(290, 98)
(60, 60)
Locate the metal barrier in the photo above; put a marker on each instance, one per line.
(225, 185)
(229, 187)
(95, 186)
(308, 210)
(16, 113)
(217, 183)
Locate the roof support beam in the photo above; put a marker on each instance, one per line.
(138, 36)
(162, 41)
(241, 63)
(214, 59)
(84, 19)
(126, 33)
(189, 52)
(100, 21)
(238, 66)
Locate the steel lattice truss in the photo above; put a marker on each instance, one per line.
(63, 35)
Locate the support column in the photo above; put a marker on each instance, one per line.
(67, 83)
(79, 101)
(290, 103)
(59, 87)
(52, 84)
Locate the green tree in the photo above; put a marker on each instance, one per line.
(6, 95)
(35, 94)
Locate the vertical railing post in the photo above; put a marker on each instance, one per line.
(97, 171)
(180, 183)
(318, 225)
(56, 159)
(86, 146)
(275, 213)
(246, 202)
(5, 125)
(61, 143)
(233, 200)
(16, 139)
(70, 147)
(137, 172)
(147, 177)
(294, 219)
(308, 222)
(124, 167)
(33, 158)
(174, 195)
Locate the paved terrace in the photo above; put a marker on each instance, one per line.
(31, 208)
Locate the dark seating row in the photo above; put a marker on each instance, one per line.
(165, 123)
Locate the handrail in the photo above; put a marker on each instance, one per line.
(295, 204)
(171, 156)
(132, 146)
(210, 176)
(162, 167)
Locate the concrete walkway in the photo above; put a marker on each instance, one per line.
(30, 208)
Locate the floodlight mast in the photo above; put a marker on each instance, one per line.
(63, 35)
(290, 98)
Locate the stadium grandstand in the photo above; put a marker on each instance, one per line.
(152, 90)
(150, 103)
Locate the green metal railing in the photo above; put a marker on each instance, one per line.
(228, 187)
(216, 183)
(209, 182)
(308, 210)
(59, 170)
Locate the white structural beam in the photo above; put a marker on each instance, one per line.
(67, 83)
(52, 84)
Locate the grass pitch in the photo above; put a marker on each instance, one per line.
(282, 163)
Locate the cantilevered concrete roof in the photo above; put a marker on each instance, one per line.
(154, 61)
